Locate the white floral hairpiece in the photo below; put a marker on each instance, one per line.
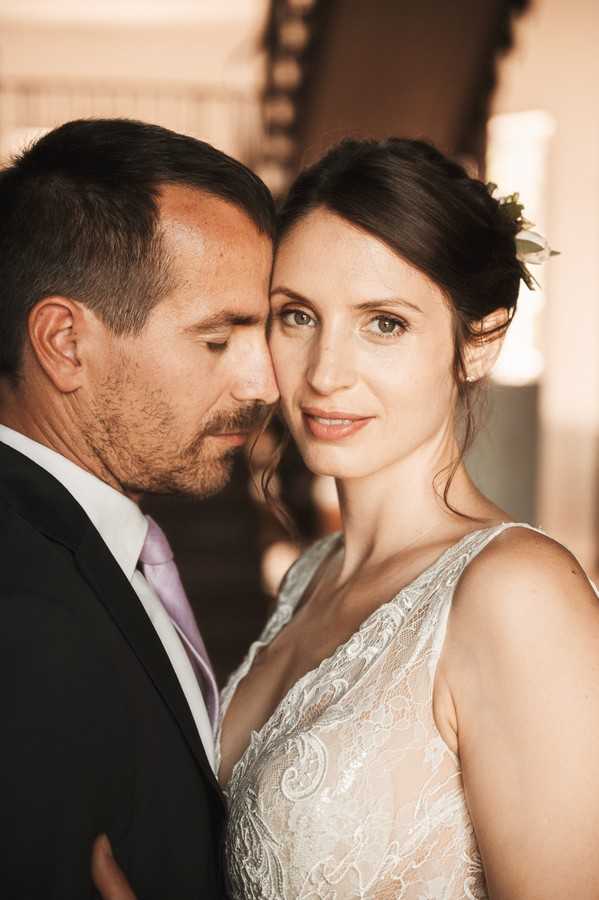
(531, 247)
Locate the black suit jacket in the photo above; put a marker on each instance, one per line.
(97, 735)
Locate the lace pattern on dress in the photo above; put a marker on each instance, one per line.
(348, 790)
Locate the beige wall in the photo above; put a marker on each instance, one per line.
(199, 75)
(555, 67)
(212, 54)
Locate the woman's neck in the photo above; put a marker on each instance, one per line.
(397, 508)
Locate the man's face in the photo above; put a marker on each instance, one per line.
(171, 405)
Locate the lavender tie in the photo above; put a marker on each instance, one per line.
(160, 570)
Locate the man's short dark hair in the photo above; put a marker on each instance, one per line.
(79, 217)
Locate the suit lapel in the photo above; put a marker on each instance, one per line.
(114, 591)
(44, 502)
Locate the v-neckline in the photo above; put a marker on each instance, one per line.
(299, 589)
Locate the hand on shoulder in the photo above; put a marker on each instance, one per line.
(522, 663)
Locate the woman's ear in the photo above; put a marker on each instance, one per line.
(55, 327)
(482, 349)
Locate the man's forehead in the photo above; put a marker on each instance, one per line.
(215, 241)
(220, 262)
(184, 208)
(222, 300)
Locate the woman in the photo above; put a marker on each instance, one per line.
(420, 717)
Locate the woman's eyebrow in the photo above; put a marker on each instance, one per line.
(287, 292)
(387, 301)
(361, 307)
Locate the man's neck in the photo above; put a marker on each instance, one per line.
(55, 430)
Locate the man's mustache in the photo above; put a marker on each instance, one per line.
(248, 418)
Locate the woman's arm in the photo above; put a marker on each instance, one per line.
(522, 663)
(107, 876)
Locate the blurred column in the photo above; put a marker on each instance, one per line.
(504, 460)
(555, 67)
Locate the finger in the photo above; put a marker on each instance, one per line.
(106, 874)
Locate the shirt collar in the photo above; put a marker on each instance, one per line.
(119, 521)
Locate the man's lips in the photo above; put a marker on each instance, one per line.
(235, 437)
(332, 425)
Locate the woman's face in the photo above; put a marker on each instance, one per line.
(362, 345)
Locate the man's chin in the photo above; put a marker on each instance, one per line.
(206, 481)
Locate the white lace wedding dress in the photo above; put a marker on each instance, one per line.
(348, 790)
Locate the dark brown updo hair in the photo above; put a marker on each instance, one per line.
(429, 211)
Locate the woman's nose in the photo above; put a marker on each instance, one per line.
(330, 366)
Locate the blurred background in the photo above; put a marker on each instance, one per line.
(509, 88)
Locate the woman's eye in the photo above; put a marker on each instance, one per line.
(386, 326)
(296, 317)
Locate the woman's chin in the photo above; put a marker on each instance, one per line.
(322, 462)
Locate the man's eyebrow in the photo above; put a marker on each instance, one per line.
(223, 319)
(361, 307)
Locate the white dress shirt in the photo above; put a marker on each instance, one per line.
(122, 526)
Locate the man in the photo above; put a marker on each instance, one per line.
(134, 269)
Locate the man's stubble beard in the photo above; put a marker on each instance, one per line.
(143, 460)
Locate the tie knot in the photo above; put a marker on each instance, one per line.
(156, 549)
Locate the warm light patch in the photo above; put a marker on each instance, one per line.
(517, 152)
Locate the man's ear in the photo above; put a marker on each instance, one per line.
(482, 350)
(56, 326)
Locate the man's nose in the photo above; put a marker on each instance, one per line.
(256, 378)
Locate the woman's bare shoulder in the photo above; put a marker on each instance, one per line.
(521, 668)
(524, 590)
(523, 571)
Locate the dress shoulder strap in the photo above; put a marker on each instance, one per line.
(452, 567)
(476, 541)
(300, 573)
(485, 537)
(462, 553)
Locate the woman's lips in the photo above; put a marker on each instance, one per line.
(333, 427)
